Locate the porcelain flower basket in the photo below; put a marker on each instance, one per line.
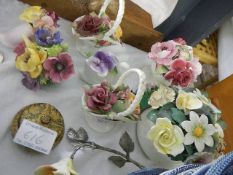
(88, 45)
(104, 123)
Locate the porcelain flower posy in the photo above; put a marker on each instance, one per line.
(63, 167)
(175, 62)
(167, 138)
(161, 97)
(199, 131)
(41, 57)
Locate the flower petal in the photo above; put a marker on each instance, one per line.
(204, 120)
(210, 129)
(194, 118)
(188, 139)
(209, 141)
(176, 149)
(45, 170)
(187, 125)
(199, 145)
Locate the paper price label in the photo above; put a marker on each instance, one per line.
(36, 137)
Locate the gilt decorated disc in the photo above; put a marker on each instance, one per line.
(43, 114)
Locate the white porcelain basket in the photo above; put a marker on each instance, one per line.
(87, 45)
(113, 117)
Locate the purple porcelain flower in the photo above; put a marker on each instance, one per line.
(30, 83)
(102, 63)
(59, 68)
(45, 37)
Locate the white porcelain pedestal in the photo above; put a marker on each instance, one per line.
(160, 160)
(99, 124)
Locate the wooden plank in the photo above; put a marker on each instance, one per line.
(136, 24)
(222, 95)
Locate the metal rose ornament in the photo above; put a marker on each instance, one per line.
(63, 167)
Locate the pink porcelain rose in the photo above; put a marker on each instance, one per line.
(100, 98)
(181, 73)
(163, 53)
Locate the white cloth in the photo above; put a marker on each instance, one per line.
(66, 97)
(159, 10)
(225, 47)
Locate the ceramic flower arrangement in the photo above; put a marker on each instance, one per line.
(96, 26)
(174, 60)
(42, 58)
(186, 123)
(103, 99)
(94, 31)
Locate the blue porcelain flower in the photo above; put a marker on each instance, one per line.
(45, 37)
(102, 63)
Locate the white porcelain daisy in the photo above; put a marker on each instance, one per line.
(198, 131)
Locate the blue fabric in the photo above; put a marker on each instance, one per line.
(148, 171)
(222, 166)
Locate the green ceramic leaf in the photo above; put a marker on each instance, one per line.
(189, 149)
(113, 72)
(144, 102)
(168, 106)
(152, 115)
(117, 160)
(163, 112)
(119, 106)
(177, 115)
(126, 143)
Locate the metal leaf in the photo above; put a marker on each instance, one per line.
(80, 134)
(117, 160)
(126, 143)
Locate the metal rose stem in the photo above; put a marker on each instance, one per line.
(81, 138)
(93, 145)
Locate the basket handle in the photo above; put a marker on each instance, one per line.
(141, 89)
(118, 19)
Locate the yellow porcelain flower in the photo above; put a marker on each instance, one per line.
(31, 61)
(118, 33)
(63, 167)
(167, 138)
(31, 14)
(129, 100)
(161, 97)
(187, 101)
